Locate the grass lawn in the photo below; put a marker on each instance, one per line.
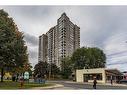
(8, 85)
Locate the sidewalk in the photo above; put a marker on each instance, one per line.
(114, 84)
(48, 87)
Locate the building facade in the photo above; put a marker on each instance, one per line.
(43, 48)
(62, 40)
(102, 75)
(51, 45)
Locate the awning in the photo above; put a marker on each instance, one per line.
(113, 72)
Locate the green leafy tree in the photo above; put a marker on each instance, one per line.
(66, 67)
(7, 36)
(78, 58)
(95, 58)
(55, 71)
(19, 49)
(88, 58)
(41, 69)
(13, 52)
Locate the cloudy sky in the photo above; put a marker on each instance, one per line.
(101, 26)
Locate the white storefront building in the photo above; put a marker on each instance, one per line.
(102, 75)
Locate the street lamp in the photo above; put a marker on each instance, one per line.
(49, 71)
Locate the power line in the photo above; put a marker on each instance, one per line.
(116, 63)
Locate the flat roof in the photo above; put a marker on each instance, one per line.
(110, 71)
(114, 71)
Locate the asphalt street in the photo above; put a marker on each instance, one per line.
(79, 86)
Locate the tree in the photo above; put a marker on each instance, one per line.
(7, 37)
(78, 58)
(27, 67)
(41, 69)
(88, 58)
(12, 46)
(19, 49)
(95, 58)
(66, 67)
(54, 70)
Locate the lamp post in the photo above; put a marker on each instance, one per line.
(50, 71)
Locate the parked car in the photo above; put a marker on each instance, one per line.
(123, 81)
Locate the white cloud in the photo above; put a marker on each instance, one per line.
(101, 26)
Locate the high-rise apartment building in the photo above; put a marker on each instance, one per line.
(51, 45)
(43, 48)
(62, 40)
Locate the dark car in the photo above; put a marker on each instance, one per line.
(123, 81)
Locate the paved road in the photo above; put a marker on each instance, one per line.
(78, 86)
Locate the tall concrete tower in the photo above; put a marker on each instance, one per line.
(62, 40)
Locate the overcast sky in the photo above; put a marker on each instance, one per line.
(101, 26)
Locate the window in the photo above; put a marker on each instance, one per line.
(99, 76)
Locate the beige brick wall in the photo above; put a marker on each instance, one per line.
(79, 74)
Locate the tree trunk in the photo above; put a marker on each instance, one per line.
(2, 74)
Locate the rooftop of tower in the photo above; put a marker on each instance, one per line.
(63, 14)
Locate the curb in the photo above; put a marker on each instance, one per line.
(48, 87)
(99, 84)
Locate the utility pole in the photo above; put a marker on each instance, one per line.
(49, 71)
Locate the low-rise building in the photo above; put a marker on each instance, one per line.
(102, 75)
